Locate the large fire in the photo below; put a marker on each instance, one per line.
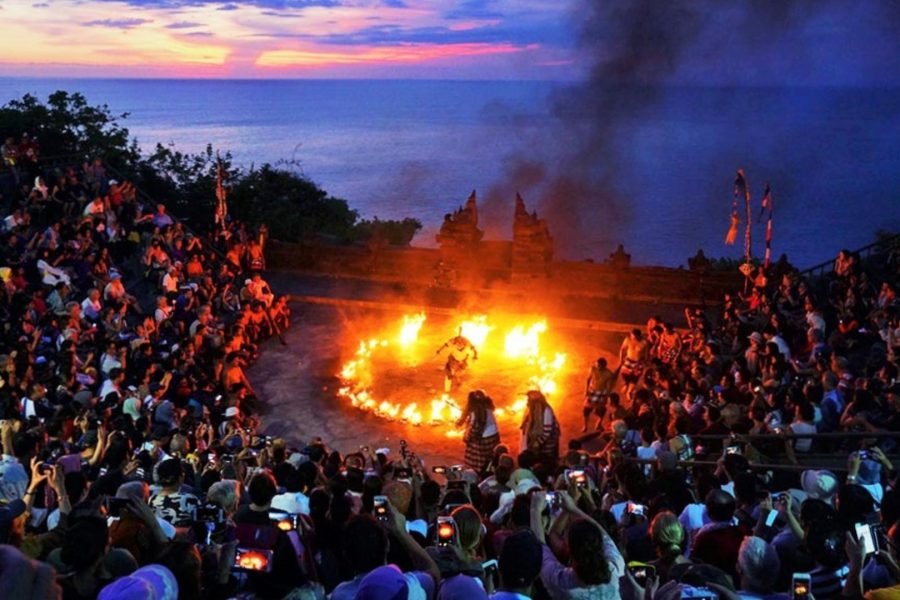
(520, 347)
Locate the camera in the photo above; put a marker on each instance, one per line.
(733, 450)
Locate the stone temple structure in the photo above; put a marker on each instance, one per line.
(462, 249)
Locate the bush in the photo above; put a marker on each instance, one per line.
(292, 206)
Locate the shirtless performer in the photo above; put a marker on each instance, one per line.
(633, 357)
(457, 359)
(599, 386)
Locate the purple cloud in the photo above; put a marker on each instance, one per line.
(118, 23)
(183, 25)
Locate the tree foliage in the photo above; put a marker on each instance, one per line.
(292, 206)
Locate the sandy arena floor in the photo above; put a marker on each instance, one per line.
(298, 382)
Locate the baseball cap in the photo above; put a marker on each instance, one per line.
(819, 484)
(153, 582)
(13, 480)
(461, 587)
(389, 582)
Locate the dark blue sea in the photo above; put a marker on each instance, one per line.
(651, 168)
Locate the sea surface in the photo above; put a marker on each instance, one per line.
(660, 161)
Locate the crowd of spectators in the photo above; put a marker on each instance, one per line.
(132, 466)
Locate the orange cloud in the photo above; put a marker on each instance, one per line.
(407, 53)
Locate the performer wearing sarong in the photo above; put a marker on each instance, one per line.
(669, 345)
(633, 356)
(599, 386)
(482, 434)
(457, 360)
(540, 429)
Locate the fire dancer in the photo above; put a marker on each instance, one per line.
(482, 434)
(540, 429)
(599, 386)
(458, 359)
(633, 357)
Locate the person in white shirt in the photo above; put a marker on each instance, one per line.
(92, 307)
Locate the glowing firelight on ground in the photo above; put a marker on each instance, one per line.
(521, 346)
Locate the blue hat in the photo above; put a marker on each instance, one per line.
(153, 582)
(388, 582)
(13, 480)
(462, 587)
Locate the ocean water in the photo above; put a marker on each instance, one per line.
(417, 148)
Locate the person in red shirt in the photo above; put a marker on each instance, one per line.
(719, 542)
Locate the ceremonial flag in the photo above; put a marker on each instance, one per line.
(731, 236)
(766, 203)
(221, 195)
(768, 258)
(742, 188)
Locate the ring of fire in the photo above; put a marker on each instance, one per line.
(516, 345)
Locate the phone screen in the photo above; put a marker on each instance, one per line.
(380, 505)
(865, 537)
(642, 573)
(800, 586)
(252, 560)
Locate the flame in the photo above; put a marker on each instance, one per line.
(522, 344)
(525, 343)
(409, 332)
(476, 330)
(412, 415)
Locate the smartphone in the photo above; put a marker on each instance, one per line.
(699, 593)
(642, 573)
(638, 510)
(380, 508)
(284, 521)
(251, 559)
(771, 517)
(800, 586)
(866, 538)
(553, 501)
(147, 446)
(403, 474)
(439, 470)
(577, 476)
(733, 450)
(460, 485)
(492, 572)
(115, 505)
(446, 531)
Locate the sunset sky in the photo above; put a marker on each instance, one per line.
(284, 38)
(757, 42)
